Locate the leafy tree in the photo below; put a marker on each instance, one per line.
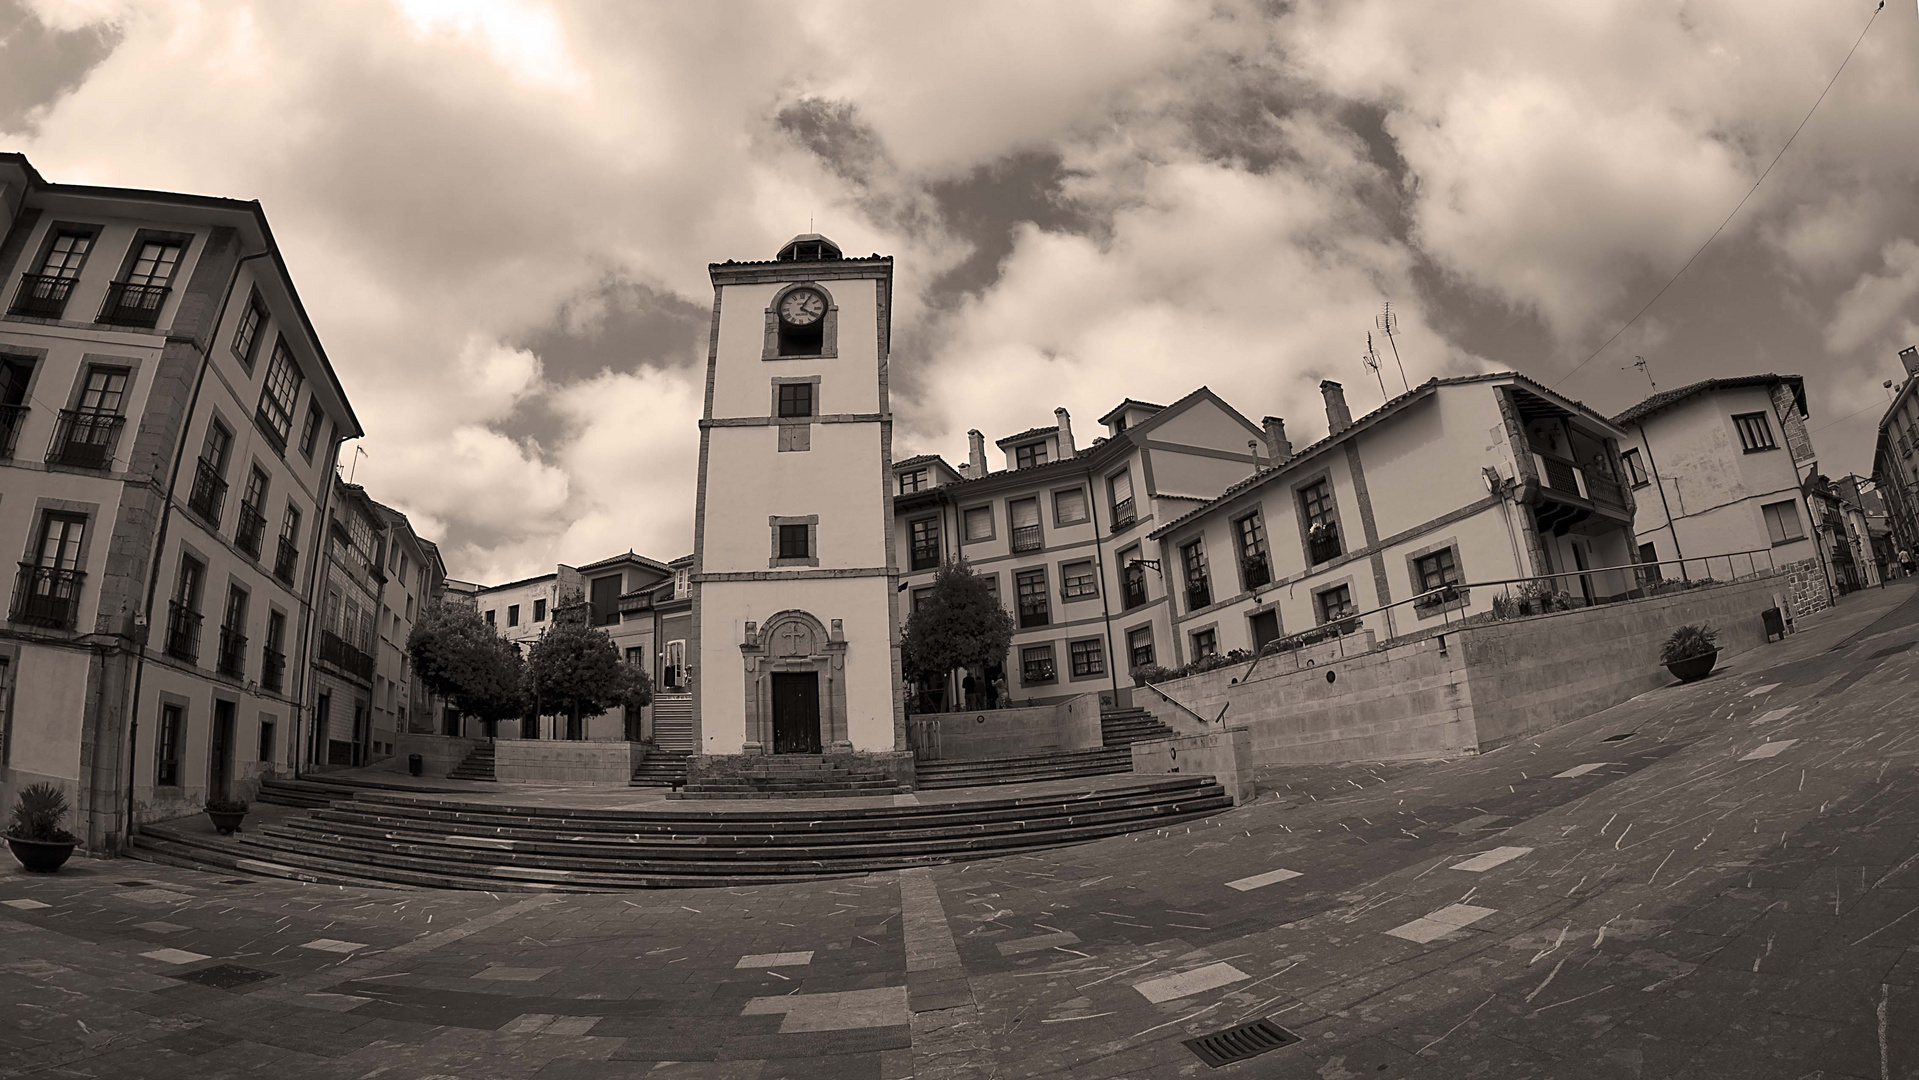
(959, 624)
(577, 669)
(636, 693)
(461, 657)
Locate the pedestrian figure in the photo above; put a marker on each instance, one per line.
(971, 687)
(1003, 698)
(1905, 562)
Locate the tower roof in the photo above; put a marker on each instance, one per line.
(808, 247)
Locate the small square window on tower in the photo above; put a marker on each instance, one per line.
(793, 543)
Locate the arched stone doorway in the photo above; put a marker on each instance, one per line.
(795, 685)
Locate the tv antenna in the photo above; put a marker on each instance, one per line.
(1640, 363)
(1371, 360)
(1389, 322)
(353, 470)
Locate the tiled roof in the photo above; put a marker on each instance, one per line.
(1027, 434)
(923, 459)
(1122, 406)
(1665, 399)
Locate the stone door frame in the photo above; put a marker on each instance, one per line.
(794, 640)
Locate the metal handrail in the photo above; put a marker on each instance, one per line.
(1277, 645)
(1187, 709)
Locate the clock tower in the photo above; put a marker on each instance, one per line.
(795, 641)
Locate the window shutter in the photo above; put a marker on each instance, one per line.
(979, 523)
(1122, 487)
(1025, 513)
(1070, 506)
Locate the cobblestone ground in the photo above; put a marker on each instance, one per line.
(1716, 880)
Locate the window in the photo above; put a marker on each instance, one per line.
(1034, 607)
(44, 295)
(673, 665)
(1322, 525)
(1027, 535)
(67, 253)
(793, 542)
(209, 491)
(1025, 457)
(992, 586)
(1754, 432)
(1088, 659)
(1139, 646)
(136, 300)
(925, 546)
(233, 637)
(155, 263)
(166, 767)
(310, 431)
(1205, 643)
(1078, 580)
(1436, 570)
(1635, 468)
(513, 614)
(183, 616)
(912, 481)
(267, 739)
(1132, 578)
(796, 400)
(1335, 604)
(539, 610)
(253, 521)
(1120, 488)
(979, 522)
(920, 597)
(1255, 570)
(289, 552)
(1782, 522)
(246, 337)
(1199, 586)
(1649, 556)
(605, 599)
(489, 617)
(48, 592)
(1069, 507)
(105, 391)
(282, 389)
(1036, 664)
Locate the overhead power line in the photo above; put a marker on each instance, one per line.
(1735, 210)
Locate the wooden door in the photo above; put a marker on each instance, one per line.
(220, 763)
(1265, 629)
(796, 712)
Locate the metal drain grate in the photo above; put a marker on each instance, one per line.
(1619, 738)
(226, 976)
(1239, 1043)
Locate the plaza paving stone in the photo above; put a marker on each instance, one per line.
(1679, 909)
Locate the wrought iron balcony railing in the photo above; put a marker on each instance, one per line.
(273, 671)
(1028, 538)
(1133, 593)
(1198, 594)
(1257, 572)
(252, 530)
(128, 304)
(1324, 546)
(209, 493)
(47, 596)
(183, 632)
(335, 650)
(1123, 514)
(85, 440)
(233, 652)
(12, 419)
(42, 296)
(284, 560)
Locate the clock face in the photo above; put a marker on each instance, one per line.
(802, 307)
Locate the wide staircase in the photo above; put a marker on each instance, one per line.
(1119, 730)
(1124, 727)
(477, 766)
(375, 837)
(317, 790)
(661, 769)
(789, 776)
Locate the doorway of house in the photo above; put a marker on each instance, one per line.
(1585, 580)
(796, 712)
(1265, 629)
(220, 763)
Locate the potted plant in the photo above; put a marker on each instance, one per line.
(35, 835)
(1691, 652)
(226, 814)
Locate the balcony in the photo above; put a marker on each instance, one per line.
(925, 556)
(252, 530)
(42, 296)
(183, 632)
(133, 305)
(1034, 614)
(1199, 594)
(1322, 543)
(1027, 538)
(284, 560)
(85, 440)
(1133, 590)
(1257, 572)
(47, 596)
(209, 494)
(335, 650)
(1123, 515)
(273, 671)
(233, 653)
(12, 419)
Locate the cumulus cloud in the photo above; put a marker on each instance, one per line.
(499, 214)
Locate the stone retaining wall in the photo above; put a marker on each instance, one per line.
(440, 754)
(544, 761)
(973, 734)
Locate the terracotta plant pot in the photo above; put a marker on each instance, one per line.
(1693, 668)
(226, 823)
(42, 856)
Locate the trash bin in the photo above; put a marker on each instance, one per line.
(413, 765)
(1775, 623)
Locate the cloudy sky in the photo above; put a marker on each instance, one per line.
(500, 214)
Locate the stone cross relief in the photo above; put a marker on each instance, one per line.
(794, 640)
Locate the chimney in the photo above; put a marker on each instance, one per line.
(1338, 417)
(976, 452)
(1277, 444)
(1065, 432)
(1909, 356)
